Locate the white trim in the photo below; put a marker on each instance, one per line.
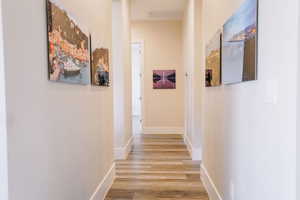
(196, 153)
(188, 144)
(3, 120)
(106, 183)
(123, 152)
(163, 130)
(209, 185)
(142, 43)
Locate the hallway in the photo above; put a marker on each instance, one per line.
(150, 100)
(159, 167)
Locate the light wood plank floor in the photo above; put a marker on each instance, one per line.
(158, 168)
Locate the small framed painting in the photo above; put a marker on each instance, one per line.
(213, 61)
(164, 79)
(100, 67)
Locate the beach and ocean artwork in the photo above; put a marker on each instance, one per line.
(164, 79)
(100, 67)
(68, 47)
(213, 61)
(239, 49)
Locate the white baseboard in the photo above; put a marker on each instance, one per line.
(163, 130)
(196, 153)
(209, 185)
(104, 186)
(123, 152)
(188, 145)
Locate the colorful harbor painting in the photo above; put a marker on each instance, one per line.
(68, 47)
(100, 67)
(239, 50)
(213, 61)
(164, 79)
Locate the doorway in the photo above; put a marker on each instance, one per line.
(137, 87)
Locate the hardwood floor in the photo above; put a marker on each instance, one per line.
(158, 168)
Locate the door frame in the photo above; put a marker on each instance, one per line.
(142, 43)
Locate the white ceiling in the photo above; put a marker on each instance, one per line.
(157, 9)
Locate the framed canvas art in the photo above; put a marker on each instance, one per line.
(68, 47)
(164, 79)
(239, 51)
(100, 67)
(213, 61)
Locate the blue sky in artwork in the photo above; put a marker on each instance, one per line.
(244, 17)
(214, 43)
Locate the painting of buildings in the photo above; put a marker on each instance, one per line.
(68, 47)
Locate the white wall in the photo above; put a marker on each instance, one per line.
(122, 76)
(60, 136)
(163, 109)
(298, 115)
(189, 65)
(298, 137)
(192, 45)
(250, 128)
(118, 75)
(3, 130)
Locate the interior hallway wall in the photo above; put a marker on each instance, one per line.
(192, 51)
(298, 114)
(250, 128)
(298, 135)
(163, 109)
(60, 136)
(3, 129)
(122, 77)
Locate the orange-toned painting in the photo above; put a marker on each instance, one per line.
(213, 61)
(100, 67)
(68, 47)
